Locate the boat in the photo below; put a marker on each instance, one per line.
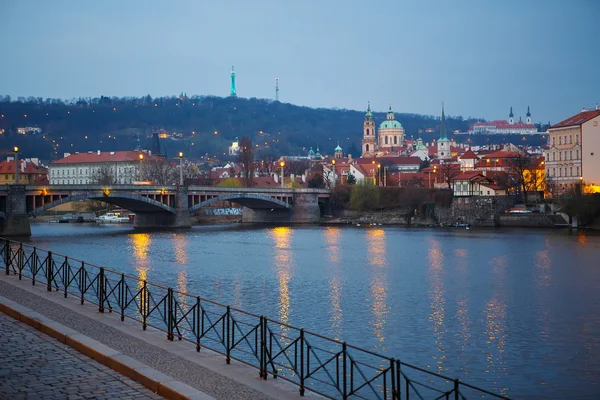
(112, 218)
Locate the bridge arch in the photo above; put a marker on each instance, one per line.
(129, 201)
(250, 200)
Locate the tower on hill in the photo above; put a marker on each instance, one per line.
(233, 92)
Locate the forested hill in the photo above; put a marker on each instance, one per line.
(203, 125)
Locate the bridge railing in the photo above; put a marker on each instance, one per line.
(313, 362)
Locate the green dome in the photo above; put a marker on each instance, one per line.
(390, 124)
(338, 149)
(311, 152)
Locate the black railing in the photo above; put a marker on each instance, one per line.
(329, 367)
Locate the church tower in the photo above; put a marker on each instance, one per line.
(369, 141)
(443, 143)
(511, 117)
(232, 92)
(528, 116)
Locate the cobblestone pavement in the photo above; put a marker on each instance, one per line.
(36, 366)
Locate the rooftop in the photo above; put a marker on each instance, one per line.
(577, 119)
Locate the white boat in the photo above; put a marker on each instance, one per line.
(112, 218)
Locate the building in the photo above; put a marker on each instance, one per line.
(234, 149)
(474, 183)
(573, 154)
(122, 167)
(389, 137)
(468, 160)
(29, 130)
(31, 172)
(505, 127)
(443, 144)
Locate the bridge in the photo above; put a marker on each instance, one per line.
(160, 206)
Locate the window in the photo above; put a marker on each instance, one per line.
(576, 139)
(395, 139)
(6, 177)
(367, 135)
(559, 156)
(386, 140)
(577, 171)
(366, 146)
(553, 141)
(570, 139)
(559, 140)
(565, 155)
(560, 171)
(553, 156)
(571, 155)
(565, 139)
(553, 171)
(571, 171)
(577, 153)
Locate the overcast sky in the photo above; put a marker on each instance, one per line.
(479, 57)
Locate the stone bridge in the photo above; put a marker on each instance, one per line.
(160, 206)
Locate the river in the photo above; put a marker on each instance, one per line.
(514, 311)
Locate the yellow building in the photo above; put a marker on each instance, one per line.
(30, 172)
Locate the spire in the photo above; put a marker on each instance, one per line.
(443, 125)
(369, 114)
(528, 112)
(390, 113)
(511, 115)
(233, 92)
(139, 145)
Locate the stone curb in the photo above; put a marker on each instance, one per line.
(154, 380)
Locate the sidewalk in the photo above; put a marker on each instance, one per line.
(37, 366)
(206, 372)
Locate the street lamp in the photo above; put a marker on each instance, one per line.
(16, 149)
(334, 177)
(379, 173)
(180, 168)
(374, 179)
(141, 157)
(282, 164)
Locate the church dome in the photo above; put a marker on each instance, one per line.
(390, 124)
(311, 152)
(338, 149)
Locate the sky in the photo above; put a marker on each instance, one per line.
(478, 57)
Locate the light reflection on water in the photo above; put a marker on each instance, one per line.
(513, 311)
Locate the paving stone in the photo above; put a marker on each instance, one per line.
(37, 366)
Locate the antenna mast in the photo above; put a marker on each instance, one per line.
(276, 89)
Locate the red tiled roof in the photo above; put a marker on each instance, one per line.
(501, 154)
(502, 124)
(493, 186)
(577, 119)
(8, 167)
(469, 155)
(114, 156)
(474, 176)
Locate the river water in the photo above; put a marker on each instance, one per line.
(514, 311)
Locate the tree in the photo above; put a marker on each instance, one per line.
(104, 176)
(525, 170)
(246, 158)
(364, 196)
(449, 171)
(316, 181)
(351, 180)
(159, 171)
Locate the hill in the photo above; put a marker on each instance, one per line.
(198, 125)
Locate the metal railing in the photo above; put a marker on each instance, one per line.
(313, 362)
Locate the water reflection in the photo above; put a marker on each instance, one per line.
(495, 330)
(437, 300)
(140, 242)
(462, 305)
(332, 238)
(282, 237)
(376, 251)
(179, 248)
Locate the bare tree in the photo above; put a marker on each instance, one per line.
(246, 158)
(160, 171)
(104, 176)
(449, 171)
(524, 170)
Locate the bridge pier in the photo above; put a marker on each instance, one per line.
(16, 222)
(160, 220)
(306, 211)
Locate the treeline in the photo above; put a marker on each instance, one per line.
(208, 124)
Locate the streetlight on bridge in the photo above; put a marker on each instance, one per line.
(141, 157)
(16, 149)
(180, 168)
(282, 164)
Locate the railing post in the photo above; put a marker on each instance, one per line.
(344, 370)
(393, 377)
(34, 262)
(49, 268)
(66, 275)
(262, 348)
(82, 282)
(20, 259)
(228, 343)
(144, 305)
(301, 362)
(123, 297)
(456, 389)
(101, 291)
(170, 314)
(7, 256)
(198, 315)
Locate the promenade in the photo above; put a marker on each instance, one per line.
(37, 366)
(186, 373)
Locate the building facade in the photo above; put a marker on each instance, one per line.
(121, 167)
(31, 172)
(573, 156)
(506, 127)
(388, 138)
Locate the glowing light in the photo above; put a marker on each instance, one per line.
(283, 263)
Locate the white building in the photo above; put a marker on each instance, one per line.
(85, 168)
(31, 130)
(506, 127)
(234, 149)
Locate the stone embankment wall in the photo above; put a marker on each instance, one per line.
(475, 211)
(530, 220)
